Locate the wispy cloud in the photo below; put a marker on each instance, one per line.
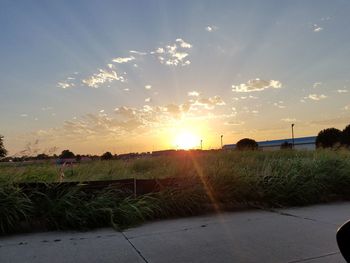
(316, 97)
(174, 54)
(257, 85)
(120, 60)
(211, 28)
(316, 28)
(104, 75)
(316, 85)
(140, 53)
(148, 87)
(279, 104)
(65, 85)
(289, 119)
(193, 93)
(342, 91)
(234, 123)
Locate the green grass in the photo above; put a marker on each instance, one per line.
(273, 179)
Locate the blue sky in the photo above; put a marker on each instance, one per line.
(127, 76)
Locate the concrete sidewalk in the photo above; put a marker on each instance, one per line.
(291, 235)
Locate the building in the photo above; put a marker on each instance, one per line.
(302, 143)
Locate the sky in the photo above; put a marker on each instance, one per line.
(135, 76)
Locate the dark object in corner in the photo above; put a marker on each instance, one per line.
(343, 239)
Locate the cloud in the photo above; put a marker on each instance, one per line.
(257, 85)
(148, 100)
(316, 28)
(138, 52)
(65, 85)
(342, 91)
(234, 123)
(148, 87)
(173, 54)
(347, 107)
(209, 103)
(193, 93)
(97, 79)
(211, 28)
(289, 120)
(279, 104)
(316, 97)
(123, 60)
(24, 115)
(47, 108)
(316, 85)
(183, 44)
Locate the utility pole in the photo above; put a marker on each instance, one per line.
(221, 140)
(201, 144)
(293, 134)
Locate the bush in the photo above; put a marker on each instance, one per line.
(247, 144)
(328, 138)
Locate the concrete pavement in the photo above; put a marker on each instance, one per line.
(304, 234)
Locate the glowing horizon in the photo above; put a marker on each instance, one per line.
(137, 76)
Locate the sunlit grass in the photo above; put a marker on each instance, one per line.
(213, 179)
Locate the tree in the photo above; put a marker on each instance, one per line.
(66, 154)
(107, 156)
(328, 138)
(286, 145)
(3, 151)
(247, 144)
(345, 136)
(42, 156)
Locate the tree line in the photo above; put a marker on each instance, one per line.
(327, 138)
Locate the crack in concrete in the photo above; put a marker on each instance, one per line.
(299, 217)
(69, 239)
(312, 258)
(135, 248)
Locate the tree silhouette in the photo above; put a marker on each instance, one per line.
(3, 151)
(328, 138)
(107, 156)
(247, 144)
(66, 154)
(345, 136)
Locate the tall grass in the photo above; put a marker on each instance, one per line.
(283, 178)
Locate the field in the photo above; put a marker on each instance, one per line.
(215, 180)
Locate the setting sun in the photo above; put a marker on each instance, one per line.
(186, 141)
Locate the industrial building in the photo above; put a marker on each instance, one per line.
(302, 143)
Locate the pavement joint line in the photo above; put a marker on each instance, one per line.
(135, 248)
(312, 258)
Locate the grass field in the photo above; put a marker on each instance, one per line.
(281, 178)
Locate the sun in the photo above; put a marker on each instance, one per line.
(186, 141)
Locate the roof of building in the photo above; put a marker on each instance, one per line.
(272, 143)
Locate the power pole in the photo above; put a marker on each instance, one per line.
(221, 140)
(201, 144)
